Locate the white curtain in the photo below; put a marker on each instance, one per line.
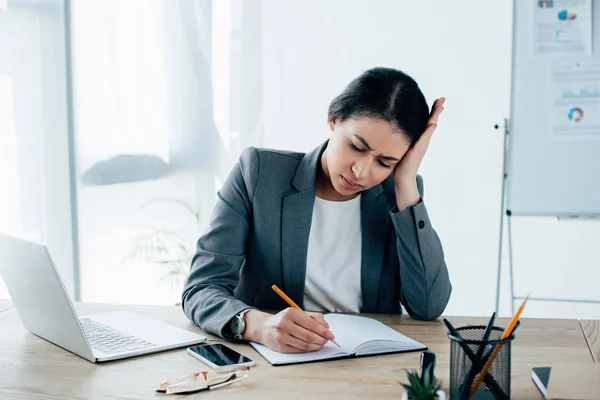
(194, 140)
(22, 95)
(119, 83)
(31, 117)
(10, 207)
(143, 99)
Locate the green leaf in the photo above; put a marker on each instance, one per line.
(421, 387)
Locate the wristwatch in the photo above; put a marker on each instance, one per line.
(238, 324)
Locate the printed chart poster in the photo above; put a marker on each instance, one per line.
(562, 27)
(576, 101)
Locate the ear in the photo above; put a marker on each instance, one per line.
(332, 124)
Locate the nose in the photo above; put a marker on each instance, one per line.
(361, 170)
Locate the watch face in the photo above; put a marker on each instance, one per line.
(236, 326)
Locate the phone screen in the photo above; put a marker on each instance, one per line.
(220, 355)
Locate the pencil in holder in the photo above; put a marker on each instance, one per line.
(469, 353)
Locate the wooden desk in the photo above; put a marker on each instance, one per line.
(31, 368)
(591, 330)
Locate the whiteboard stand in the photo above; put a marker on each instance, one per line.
(508, 214)
(504, 211)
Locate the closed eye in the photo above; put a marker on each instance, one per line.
(384, 165)
(355, 148)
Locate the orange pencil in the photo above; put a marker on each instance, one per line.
(292, 304)
(507, 332)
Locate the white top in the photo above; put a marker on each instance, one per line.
(334, 257)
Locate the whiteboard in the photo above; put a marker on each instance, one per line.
(553, 160)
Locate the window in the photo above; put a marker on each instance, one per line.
(156, 129)
(35, 197)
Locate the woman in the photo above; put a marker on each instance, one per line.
(340, 229)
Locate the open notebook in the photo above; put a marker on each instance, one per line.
(357, 336)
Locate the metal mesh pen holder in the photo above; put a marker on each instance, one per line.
(464, 352)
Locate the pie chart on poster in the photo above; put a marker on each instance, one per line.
(567, 15)
(575, 114)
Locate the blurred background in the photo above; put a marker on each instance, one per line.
(119, 120)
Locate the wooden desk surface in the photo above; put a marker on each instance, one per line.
(591, 330)
(31, 368)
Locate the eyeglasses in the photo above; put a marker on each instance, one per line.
(203, 380)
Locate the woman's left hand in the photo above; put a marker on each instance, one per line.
(405, 174)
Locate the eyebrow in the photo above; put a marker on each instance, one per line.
(364, 142)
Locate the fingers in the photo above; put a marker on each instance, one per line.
(305, 327)
(320, 318)
(308, 336)
(301, 345)
(291, 333)
(286, 348)
(305, 321)
(423, 143)
(438, 104)
(436, 109)
(428, 133)
(433, 119)
(289, 344)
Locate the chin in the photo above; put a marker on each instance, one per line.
(340, 189)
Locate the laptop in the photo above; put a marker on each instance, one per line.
(45, 309)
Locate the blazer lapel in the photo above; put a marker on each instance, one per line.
(296, 218)
(374, 218)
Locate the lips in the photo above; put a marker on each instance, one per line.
(349, 185)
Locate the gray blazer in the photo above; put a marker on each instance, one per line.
(258, 236)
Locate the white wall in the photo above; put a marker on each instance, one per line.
(461, 50)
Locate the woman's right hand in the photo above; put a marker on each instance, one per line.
(289, 331)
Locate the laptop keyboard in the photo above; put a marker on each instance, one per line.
(110, 341)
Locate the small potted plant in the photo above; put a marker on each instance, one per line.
(423, 387)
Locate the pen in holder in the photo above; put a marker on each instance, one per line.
(465, 365)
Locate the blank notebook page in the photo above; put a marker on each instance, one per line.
(351, 331)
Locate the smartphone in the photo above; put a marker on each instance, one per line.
(219, 356)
